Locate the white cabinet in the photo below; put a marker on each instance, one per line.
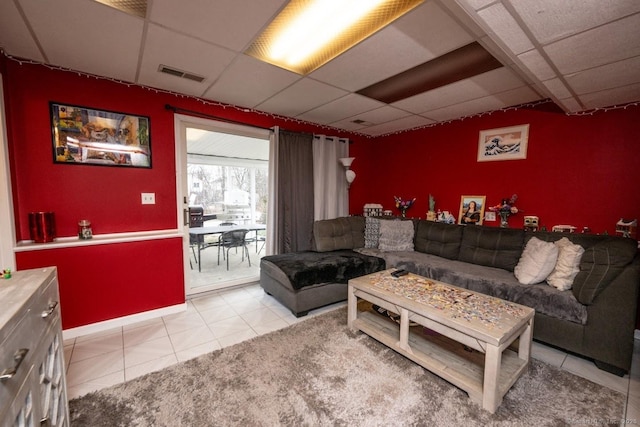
(32, 380)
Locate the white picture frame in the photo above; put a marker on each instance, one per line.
(508, 143)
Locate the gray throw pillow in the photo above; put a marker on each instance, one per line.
(396, 235)
(371, 232)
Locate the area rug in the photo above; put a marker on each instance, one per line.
(320, 373)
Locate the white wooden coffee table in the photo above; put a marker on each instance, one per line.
(484, 323)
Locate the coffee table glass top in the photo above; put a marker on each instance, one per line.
(455, 303)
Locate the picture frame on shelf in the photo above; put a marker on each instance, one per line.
(508, 143)
(89, 136)
(476, 215)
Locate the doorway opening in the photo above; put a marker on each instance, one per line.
(225, 185)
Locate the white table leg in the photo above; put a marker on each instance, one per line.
(524, 346)
(491, 398)
(352, 306)
(404, 330)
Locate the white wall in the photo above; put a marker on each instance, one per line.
(7, 231)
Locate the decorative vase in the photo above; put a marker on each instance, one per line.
(504, 219)
(431, 216)
(403, 212)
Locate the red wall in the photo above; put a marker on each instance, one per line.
(102, 282)
(579, 170)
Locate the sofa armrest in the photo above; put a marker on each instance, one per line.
(611, 319)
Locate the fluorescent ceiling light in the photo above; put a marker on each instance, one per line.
(132, 7)
(309, 33)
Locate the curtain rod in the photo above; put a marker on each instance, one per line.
(211, 116)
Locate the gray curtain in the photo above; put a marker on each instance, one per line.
(294, 215)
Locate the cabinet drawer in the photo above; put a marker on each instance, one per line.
(17, 352)
(17, 355)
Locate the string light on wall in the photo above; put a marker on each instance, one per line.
(303, 122)
(176, 94)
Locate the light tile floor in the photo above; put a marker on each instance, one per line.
(227, 317)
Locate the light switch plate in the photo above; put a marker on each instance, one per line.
(148, 198)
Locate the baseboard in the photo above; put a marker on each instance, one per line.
(122, 321)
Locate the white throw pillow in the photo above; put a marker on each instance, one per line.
(567, 266)
(396, 235)
(536, 262)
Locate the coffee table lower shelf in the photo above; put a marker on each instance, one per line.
(462, 368)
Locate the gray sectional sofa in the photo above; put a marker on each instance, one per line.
(596, 318)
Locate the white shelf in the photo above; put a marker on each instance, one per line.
(98, 239)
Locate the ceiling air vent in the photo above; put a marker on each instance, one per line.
(180, 73)
(362, 122)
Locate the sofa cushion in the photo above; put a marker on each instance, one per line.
(338, 233)
(536, 262)
(437, 238)
(600, 264)
(311, 268)
(567, 266)
(396, 235)
(491, 246)
(371, 232)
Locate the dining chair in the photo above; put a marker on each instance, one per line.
(233, 239)
(196, 219)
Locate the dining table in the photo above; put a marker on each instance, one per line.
(199, 232)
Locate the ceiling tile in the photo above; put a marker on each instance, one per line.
(247, 82)
(607, 98)
(174, 50)
(405, 123)
(347, 125)
(498, 20)
(217, 21)
(518, 96)
(341, 108)
(622, 73)
(382, 115)
(300, 97)
(413, 39)
(537, 64)
(347, 72)
(14, 34)
(557, 87)
(478, 4)
(608, 43)
(106, 44)
(570, 105)
(463, 109)
(550, 20)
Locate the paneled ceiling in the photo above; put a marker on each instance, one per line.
(581, 54)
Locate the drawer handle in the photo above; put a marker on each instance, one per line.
(50, 310)
(17, 358)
